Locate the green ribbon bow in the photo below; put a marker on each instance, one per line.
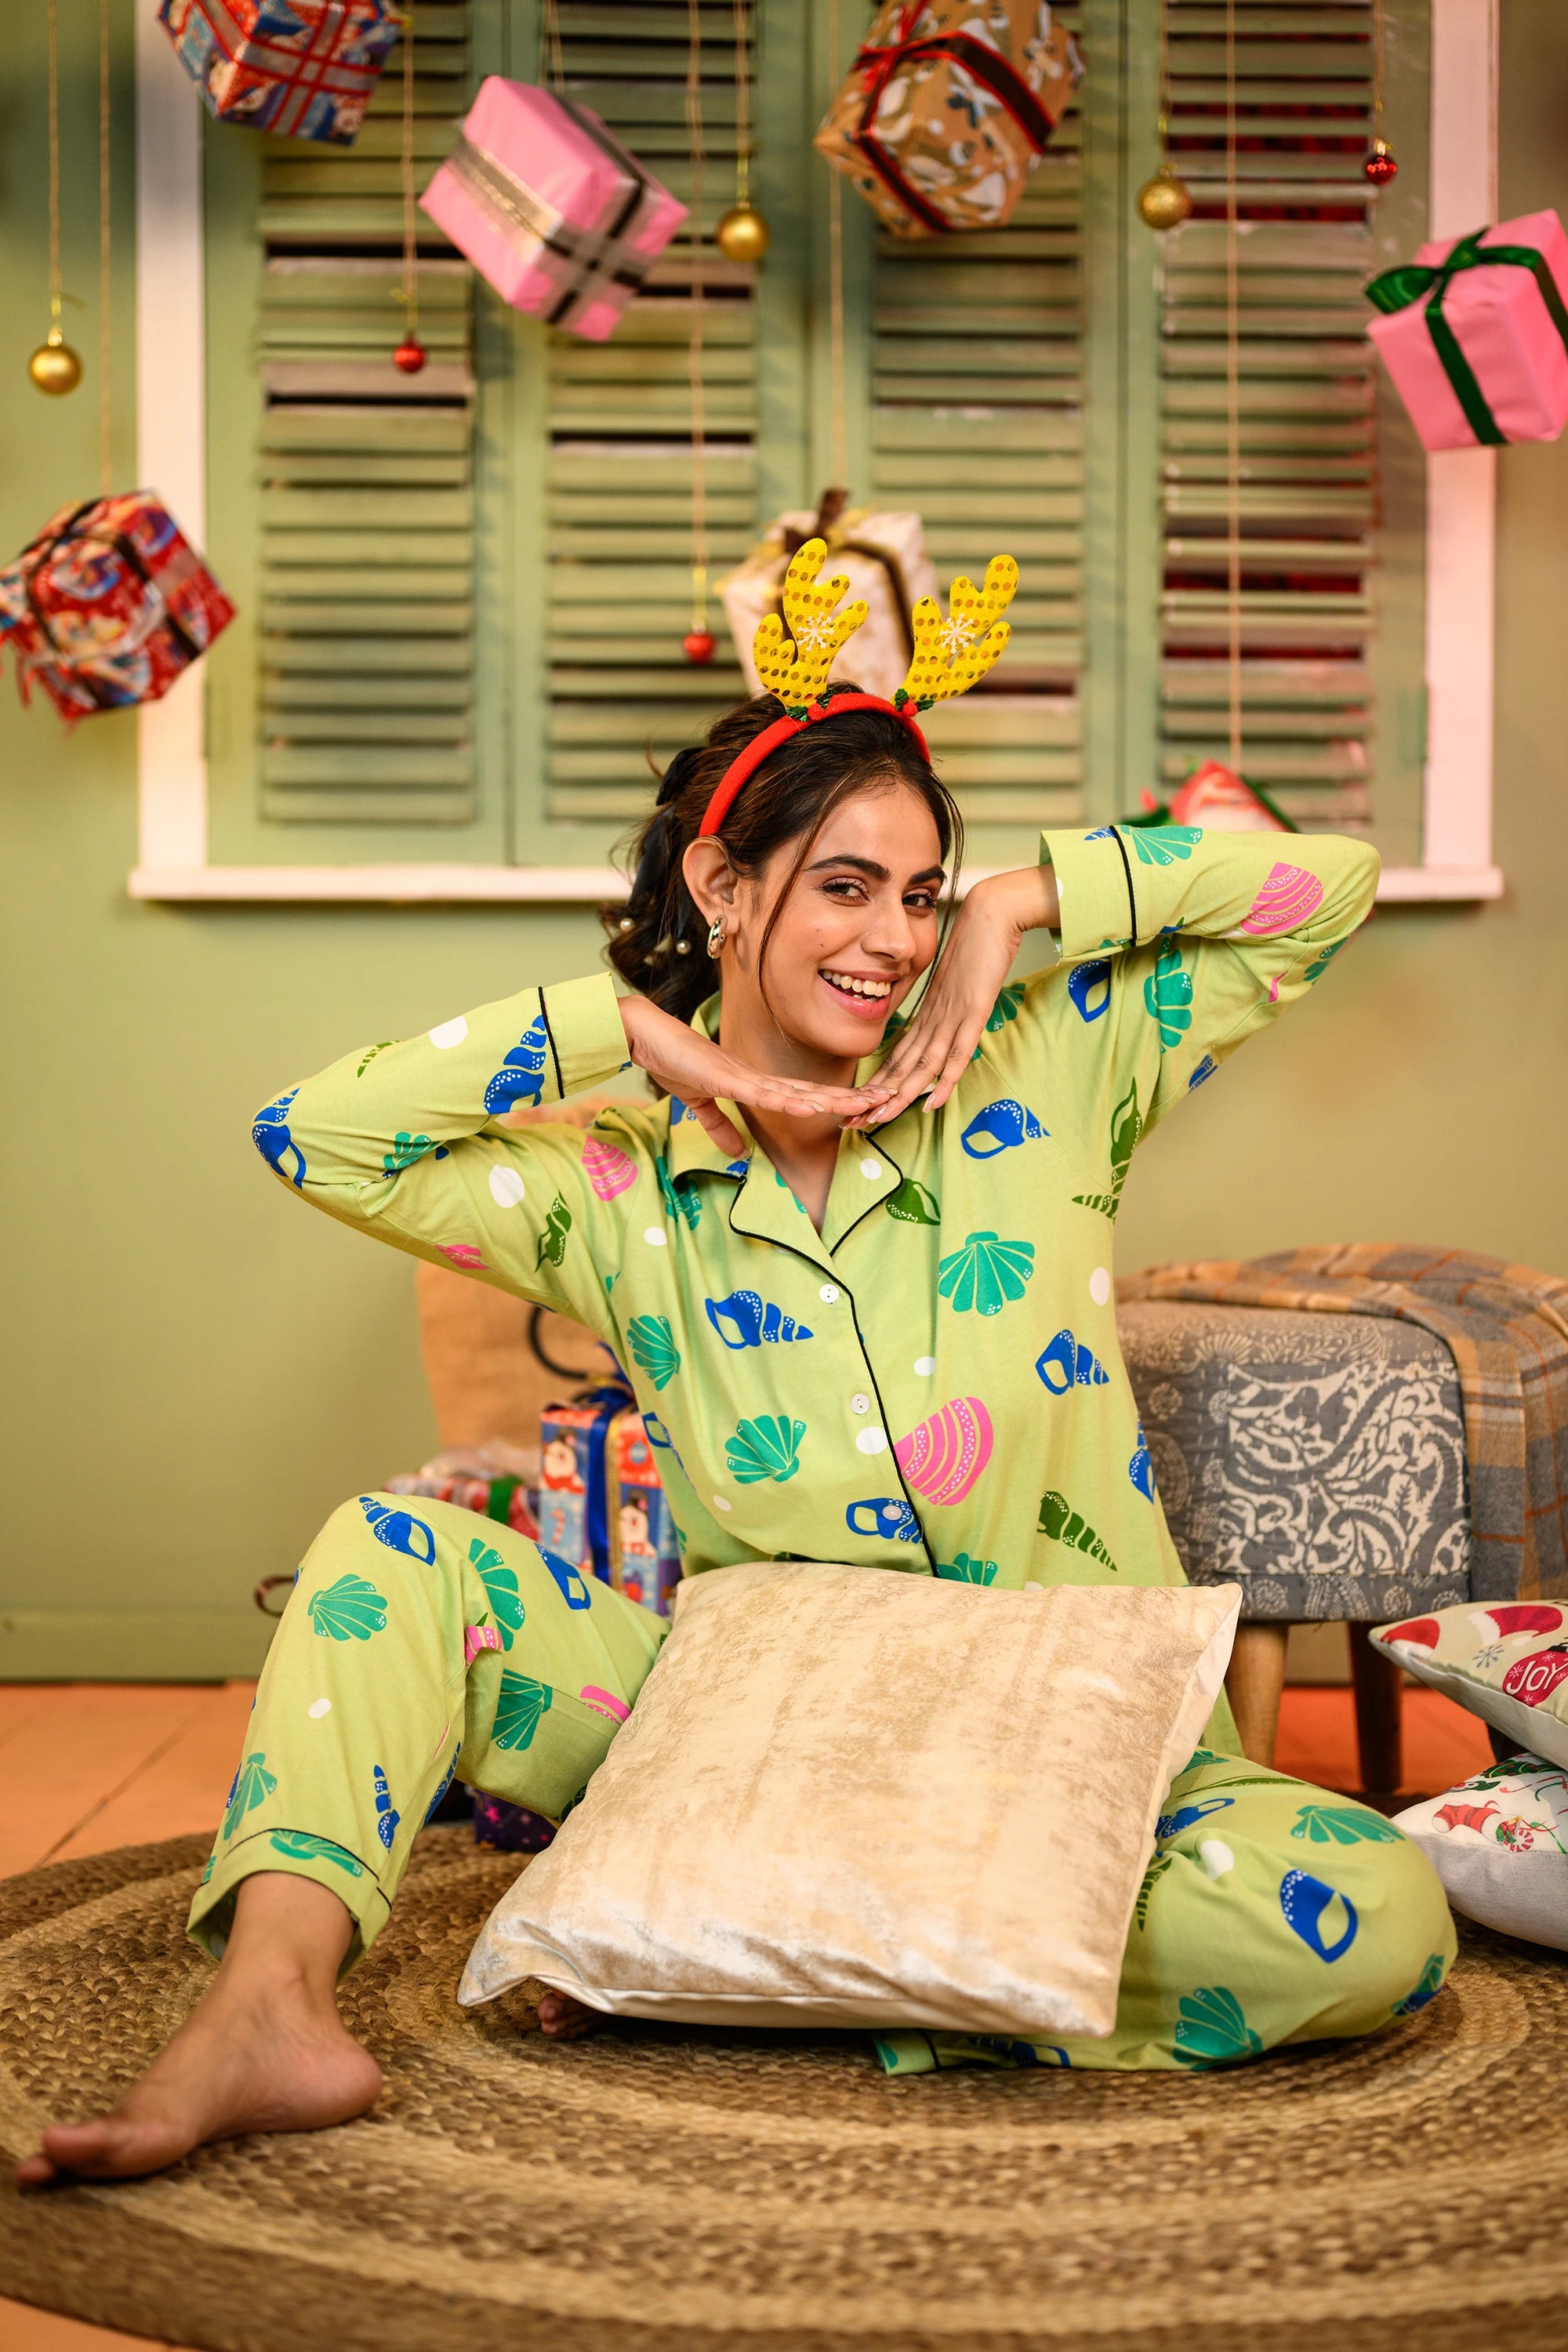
(1395, 289)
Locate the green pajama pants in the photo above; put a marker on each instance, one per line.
(422, 1643)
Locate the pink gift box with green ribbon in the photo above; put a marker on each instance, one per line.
(1474, 334)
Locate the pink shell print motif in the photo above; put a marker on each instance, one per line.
(1287, 898)
(944, 1457)
(464, 1254)
(604, 1702)
(608, 1168)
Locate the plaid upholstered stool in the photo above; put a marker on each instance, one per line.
(1319, 1462)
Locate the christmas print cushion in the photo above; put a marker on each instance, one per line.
(1499, 1844)
(1507, 1661)
(761, 1847)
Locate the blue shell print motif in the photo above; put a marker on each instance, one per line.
(387, 1819)
(985, 1275)
(885, 1516)
(753, 1324)
(399, 1530)
(998, 1128)
(271, 1138)
(1089, 985)
(1064, 1363)
(520, 1077)
(1304, 1899)
(572, 1582)
(1141, 1469)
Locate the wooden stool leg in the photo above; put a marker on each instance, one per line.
(1253, 1685)
(1378, 1693)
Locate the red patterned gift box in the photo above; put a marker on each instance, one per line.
(107, 606)
(300, 69)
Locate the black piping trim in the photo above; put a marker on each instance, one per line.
(875, 1205)
(1127, 869)
(550, 1035)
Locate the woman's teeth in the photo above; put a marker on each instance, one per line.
(873, 988)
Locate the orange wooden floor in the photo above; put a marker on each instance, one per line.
(88, 1766)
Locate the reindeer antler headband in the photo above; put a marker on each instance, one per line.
(953, 653)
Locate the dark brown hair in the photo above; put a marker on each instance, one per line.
(658, 940)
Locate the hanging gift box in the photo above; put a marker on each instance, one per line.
(947, 109)
(882, 555)
(551, 208)
(301, 68)
(1215, 797)
(107, 606)
(1474, 334)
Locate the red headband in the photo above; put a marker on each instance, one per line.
(746, 762)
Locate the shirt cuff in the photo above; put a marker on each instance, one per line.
(583, 1017)
(1093, 890)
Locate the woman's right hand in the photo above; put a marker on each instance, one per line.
(692, 1067)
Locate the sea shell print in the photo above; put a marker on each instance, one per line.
(1168, 996)
(349, 1610)
(251, 1786)
(985, 1275)
(752, 1323)
(1343, 1825)
(522, 1703)
(387, 1819)
(604, 1702)
(768, 1447)
(399, 1530)
(1141, 1470)
(520, 1077)
(1206, 1069)
(500, 1589)
(552, 1240)
(653, 1348)
(965, 1570)
(1287, 898)
(1161, 845)
(1126, 1126)
(464, 1256)
(912, 1204)
(1304, 1899)
(887, 1516)
(998, 1128)
(943, 1456)
(609, 1169)
(1064, 1525)
(1066, 1363)
(1212, 2027)
(1089, 985)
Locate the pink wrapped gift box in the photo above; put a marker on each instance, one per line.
(300, 69)
(550, 207)
(1478, 350)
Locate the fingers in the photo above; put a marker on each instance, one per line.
(713, 1122)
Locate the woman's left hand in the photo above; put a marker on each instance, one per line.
(936, 1048)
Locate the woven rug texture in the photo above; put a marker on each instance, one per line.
(676, 2189)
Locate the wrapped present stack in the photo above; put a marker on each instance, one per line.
(551, 208)
(1474, 332)
(882, 555)
(948, 107)
(302, 71)
(498, 1481)
(108, 605)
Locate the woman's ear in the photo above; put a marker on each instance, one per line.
(710, 879)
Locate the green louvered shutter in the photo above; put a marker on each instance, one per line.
(977, 362)
(367, 518)
(1328, 494)
(618, 585)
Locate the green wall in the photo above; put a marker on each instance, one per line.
(196, 1372)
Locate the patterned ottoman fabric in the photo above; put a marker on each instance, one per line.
(1316, 1460)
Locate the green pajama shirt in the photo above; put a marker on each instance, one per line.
(931, 1384)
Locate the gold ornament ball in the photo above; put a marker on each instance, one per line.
(743, 234)
(54, 367)
(1163, 201)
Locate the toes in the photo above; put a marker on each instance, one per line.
(35, 2172)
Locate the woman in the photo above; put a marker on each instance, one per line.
(866, 1304)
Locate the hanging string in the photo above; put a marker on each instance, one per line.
(839, 443)
(55, 333)
(742, 106)
(410, 353)
(1494, 31)
(694, 358)
(105, 261)
(1378, 57)
(551, 59)
(1233, 389)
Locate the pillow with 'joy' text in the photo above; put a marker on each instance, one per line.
(1499, 1844)
(1507, 1661)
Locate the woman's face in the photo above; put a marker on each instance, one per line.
(856, 931)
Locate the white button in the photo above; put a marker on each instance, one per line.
(449, 1033)
(829, 1296)
(870, 1170)
(859, 1405)
(871, 1441)
(925, 1365)
(721, 1505)
(1100, 1286)
(507, 1187)
(655, 1236)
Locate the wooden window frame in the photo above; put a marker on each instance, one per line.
(172, 861)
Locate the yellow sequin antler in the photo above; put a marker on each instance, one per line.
(952, 653)
(797, 672)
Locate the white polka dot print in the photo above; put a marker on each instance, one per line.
(1215, 1856)
(449, 1033)
(1100, 1286)
(870, 1170)
(655, 1237)
(507, 1188)
(321, 1706)
(925, 1365)
(721, 1505)
(872, 1440)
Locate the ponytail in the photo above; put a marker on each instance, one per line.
(658, 940)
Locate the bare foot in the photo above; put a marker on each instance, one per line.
(566, 2018)
(263, 2050)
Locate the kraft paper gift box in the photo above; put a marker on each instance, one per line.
(300, 69)
(1474, 334)
(947, 109)
(551, 208)
(108, 605)
(882, 555)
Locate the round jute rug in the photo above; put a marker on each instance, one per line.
(658, 2186)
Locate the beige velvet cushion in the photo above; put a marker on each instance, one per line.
(850, 1797)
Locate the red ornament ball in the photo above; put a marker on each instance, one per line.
(698, 646)
(1380, 166)
(410, 356)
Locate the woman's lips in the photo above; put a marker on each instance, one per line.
(865, 1008)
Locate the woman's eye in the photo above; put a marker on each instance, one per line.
(921, 902)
